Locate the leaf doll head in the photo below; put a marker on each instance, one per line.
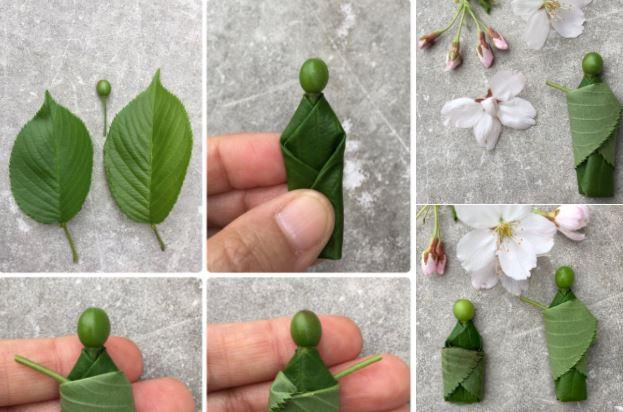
(314, 76)
(306, 329)
(564, 277)
(93, 328)
(463, 310)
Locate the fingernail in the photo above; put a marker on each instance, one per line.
(304, 222)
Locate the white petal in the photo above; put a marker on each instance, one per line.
(568, 21)
(476, 249)
(479, 216)
(516, 287)
(577, 236)
(516, 259)
(463, 112)
(578, 3)
(537, 30)
(487, 131)
(517, 113)
(507, 84)
(525, 8)
(511, 213)
(485, 278)
(538, 231)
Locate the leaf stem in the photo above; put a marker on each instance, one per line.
(534, 303)
(160, 241)
(558, 86)
(41, 369)
(358, 366)
(455, 216)
(74, 253)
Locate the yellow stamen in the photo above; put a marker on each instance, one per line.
(551, 6)
(504, 229)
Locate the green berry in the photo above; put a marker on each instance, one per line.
(103, 88)
(593, 64)
(93, 327)
(564, 277)
(314, 76)
(306, 329)
(464, 310)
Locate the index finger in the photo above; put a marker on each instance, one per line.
(245, 353)
(244, 161)
(20, 384)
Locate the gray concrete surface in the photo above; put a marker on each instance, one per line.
(65, 47)
(379, 306)
(255, 50)
(517, 374)
(162, 316)
(533, 166)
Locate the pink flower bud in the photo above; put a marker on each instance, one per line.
(498, 41)
(428, 40)
(434, 258)
(571, 218)
(485, 54)
(454, 58)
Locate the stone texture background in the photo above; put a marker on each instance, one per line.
(162, 316)
(532, 166)
(65, 47)
(255, 50)
(379, 306)
(517, 376)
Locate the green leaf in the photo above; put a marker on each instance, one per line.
(463, 364)
(109, 392)
(92, 362)
(486, 4)
(570, 329)
(594, 113)
(51, 165)
(146, 155)
(307, 371)
(285, 397)
(313, 146)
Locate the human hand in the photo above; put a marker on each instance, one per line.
(259, 225)
(244, 358)
(25, 390)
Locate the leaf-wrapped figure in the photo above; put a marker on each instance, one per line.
(595, 117)
(570, 330)
(95, 384)
(306, 384)
(463, 358)
(313, 147)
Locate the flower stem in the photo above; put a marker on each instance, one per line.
(358, 366)
(474, 17)
(41, 369)
(457, 37)
(423, 210)
(436, 229)
(74, 253)
(160, 241)
(534, 303)
(449, 26)
(558, 86)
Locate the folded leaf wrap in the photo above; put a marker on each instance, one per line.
(313, 147)
(463, 365)
(570, 330)
(96, 385)
(305, 384)
(594, 114)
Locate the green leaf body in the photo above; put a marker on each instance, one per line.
(92, 362)
(51, 164)
(306, 384)
(486, 4)
(147, 152)
(313, 147)
(463, 365)
(108, 392)
(595, 114)
(570, 329)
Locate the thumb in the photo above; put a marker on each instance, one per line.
(284, 235)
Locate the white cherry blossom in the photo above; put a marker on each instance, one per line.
(564, 16)
(487, 115)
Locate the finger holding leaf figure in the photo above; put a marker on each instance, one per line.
(95, 382)
(309, 366)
